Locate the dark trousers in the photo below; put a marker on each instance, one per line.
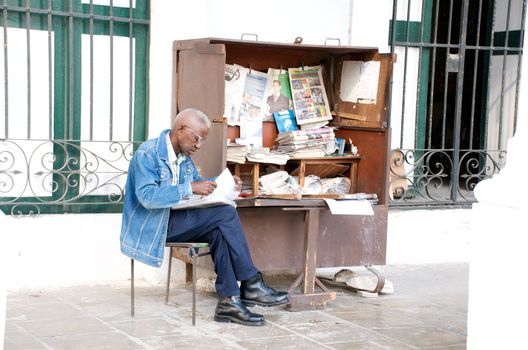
(221, 228)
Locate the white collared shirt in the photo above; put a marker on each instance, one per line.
(174, 161)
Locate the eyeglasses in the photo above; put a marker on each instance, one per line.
(197, 138)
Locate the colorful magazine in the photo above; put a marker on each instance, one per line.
(278, 93)
(309, 95)
(285, 120)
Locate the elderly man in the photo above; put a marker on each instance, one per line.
(161, 174)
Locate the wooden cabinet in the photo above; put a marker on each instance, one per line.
(198, 73)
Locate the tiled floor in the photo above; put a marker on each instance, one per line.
(427, 311)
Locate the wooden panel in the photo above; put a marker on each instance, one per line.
(373, 167)
(211, 159)
(199, 79)
(276, 238)
(365, 115)
(199, 83)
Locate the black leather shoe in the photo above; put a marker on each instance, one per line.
(254, 291)
(231, 309)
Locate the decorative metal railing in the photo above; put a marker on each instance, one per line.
(54, 176)
(425, 177)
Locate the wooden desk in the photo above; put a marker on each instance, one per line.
(307, 298)
(349, 160)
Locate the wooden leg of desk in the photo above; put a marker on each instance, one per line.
(308, 299)
(256, 175)
(310, 250)
(353, 176)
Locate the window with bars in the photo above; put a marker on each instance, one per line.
(73, 102)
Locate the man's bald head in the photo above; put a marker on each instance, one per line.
(193, 116)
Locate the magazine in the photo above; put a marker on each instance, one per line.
(285, 120)
(223, 194)
(251, 114)
(278, 93)
(234, 77)
(309, 95)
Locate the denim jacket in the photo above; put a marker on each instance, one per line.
(148, 199)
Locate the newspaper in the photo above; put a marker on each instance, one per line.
(309, 95)
(235, 77)
(224, 193)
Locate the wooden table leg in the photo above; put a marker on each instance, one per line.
(309, 299)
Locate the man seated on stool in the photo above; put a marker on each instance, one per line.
(161, 173)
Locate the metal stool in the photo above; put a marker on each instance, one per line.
(189, 260)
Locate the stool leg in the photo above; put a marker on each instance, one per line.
(193, 286)
(168, 277)
(132, 287)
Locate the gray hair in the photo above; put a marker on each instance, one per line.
(196, 114)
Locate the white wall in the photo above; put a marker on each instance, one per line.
(428, 236)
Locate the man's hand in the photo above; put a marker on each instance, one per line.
(203, 187)
(238, 183)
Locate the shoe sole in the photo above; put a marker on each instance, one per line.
(251, 303)
(227, 319)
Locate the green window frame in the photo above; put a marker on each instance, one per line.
(68, 21)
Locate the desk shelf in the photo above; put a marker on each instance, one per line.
(350, 161)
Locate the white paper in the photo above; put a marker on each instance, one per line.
(349, 207)
(359, 81)
(224, 193)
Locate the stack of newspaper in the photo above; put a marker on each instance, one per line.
(279, 182)
(264, 155)
(306, 143)
(236, 153)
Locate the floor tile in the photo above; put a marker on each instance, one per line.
(423, 336)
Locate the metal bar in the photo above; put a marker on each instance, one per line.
(458, 102)
(455, 46)
(50, 74)
(91, 29)
(503, 80)
(193, 252)
(6, 74)
(132, 287)
(168, 277)
(77, 15)
(475, 72)
(433, 73)
(418, 83)
(69, 120)
(111, 28)
(519, 68)
(28, 63)
(446, 76)
(405, 60)
(131, 75)
(490, 63)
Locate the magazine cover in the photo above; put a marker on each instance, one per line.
(234, 77)
(285, 120)
(251, 113)
(278, 93)
(309, 95)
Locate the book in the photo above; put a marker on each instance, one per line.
(310, 101)
(285, 120)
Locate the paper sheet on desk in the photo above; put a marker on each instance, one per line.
(349, 207)
(224, 193)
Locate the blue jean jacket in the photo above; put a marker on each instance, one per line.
(149, 196)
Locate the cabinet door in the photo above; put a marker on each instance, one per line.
(199, 83)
